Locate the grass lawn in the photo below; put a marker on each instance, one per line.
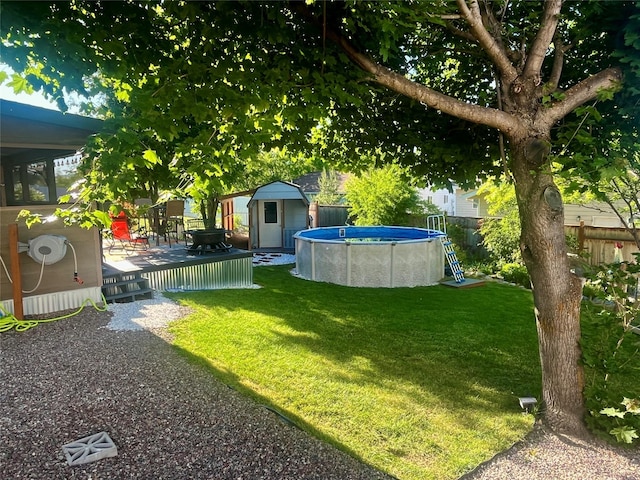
(420, 382)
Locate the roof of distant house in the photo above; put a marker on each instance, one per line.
(310, 183)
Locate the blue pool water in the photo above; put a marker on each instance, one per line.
(367, 234)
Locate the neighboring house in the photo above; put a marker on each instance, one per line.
(442, 198)
(470, 204)
(31, 140)
(594, 214)
(596, 226)
(277, 211)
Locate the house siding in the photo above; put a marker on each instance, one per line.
(58, 277)
(592, 214)
(441, 198)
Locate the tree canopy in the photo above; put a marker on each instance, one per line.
(455, 90)
(208, 85)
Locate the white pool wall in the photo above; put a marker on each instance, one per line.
(407, 263)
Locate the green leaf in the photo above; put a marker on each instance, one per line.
(102, 217)
(612, 412)
(624, 434)
(30, 219)
(151, 156)
(19, 85)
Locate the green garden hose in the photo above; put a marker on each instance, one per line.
(9, 321)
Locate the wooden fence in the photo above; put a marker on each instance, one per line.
(328, 215)
(599, 244)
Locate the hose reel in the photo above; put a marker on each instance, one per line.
(48, 248)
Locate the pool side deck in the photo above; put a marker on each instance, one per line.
(468, 283)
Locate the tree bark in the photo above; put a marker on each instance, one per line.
(556, 291)
(212, 209)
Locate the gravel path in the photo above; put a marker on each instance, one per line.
(114, 371)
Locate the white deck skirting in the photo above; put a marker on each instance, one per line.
(55, 302)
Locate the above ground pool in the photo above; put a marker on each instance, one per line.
(370, 256)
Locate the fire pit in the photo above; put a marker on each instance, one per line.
(210, 240)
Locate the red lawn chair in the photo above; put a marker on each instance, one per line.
(122, 233)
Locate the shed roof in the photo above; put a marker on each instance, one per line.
(279, 190)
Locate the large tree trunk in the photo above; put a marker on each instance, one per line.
(557, 292)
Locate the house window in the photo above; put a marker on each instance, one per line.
(31, 183)
(475, 204)
(270, 212)
(446, 199)
(40, 183)
(429, 199)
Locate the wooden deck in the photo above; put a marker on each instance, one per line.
(133, 273)
(162, 257)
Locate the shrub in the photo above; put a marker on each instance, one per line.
(573, 245)
(467, 252)
(481, 267)
(329, 184)
(501, 234)
(382, 196)
(610, 352)
(590, 290)
(501, 238)
(516, 273)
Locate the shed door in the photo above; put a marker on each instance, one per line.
(270, 224)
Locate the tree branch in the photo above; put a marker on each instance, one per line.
(543, 39)
(398, 83)
(626, 197)
(431, 98)
(558, 64)
(460, 33)
(497, 55)
(584, 91)
(629, 227)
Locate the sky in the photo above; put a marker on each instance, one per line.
(36, 99)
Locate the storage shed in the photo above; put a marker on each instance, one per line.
(277, 211)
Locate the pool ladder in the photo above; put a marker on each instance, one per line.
(437, 222)
(452, 258)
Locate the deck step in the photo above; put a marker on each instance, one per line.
(126, 287)
(126, 297)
